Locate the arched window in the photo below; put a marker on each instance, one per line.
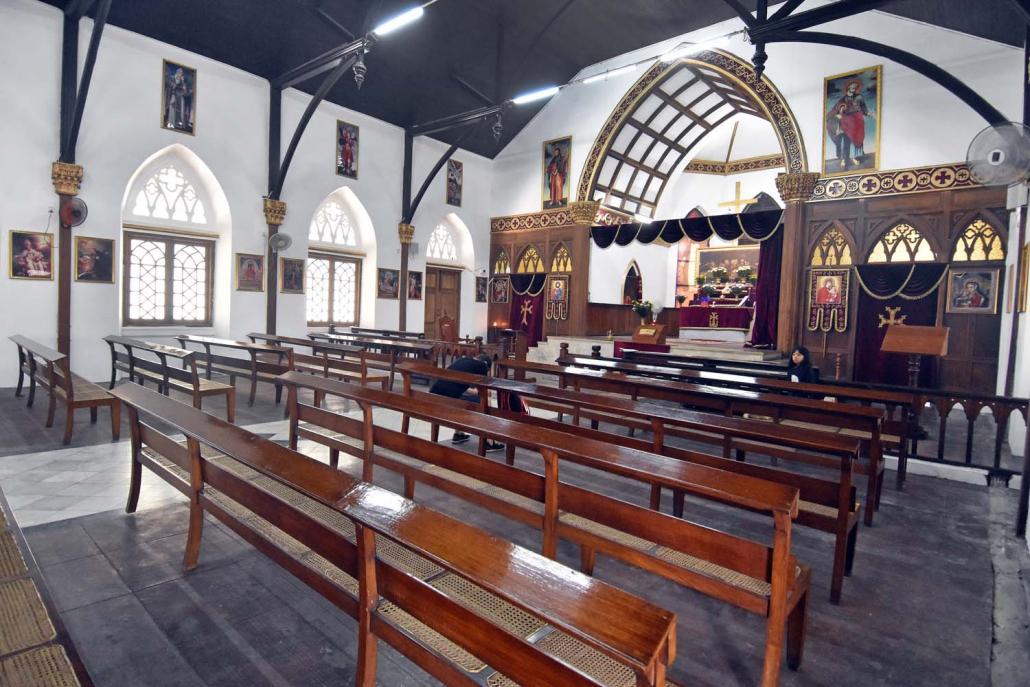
(902, 243)
(632, 284)
(530, 261)
(978, 243)
(441, 245)
(832, 250)
(562, 260)
(502, 265)
(169, 195)
(332, 225)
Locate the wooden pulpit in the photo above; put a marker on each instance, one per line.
(916, 341)
(652, 333)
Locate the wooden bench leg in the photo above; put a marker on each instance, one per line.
(51, 410)
(32, 392)
(839, 558)
(193, 535)
(278, 393)
(796, 633)
(93, 415)
(677, 502)
(135, 476)
(587, 559)
(656, 497)
(21, 381)
(368, 595)
(849, 561)
(509, 454)
(434, 432)
(334, 457)
(230, 405)
(116, 420)
(405, 423)
(69, 423)
(409, 488)
(253, 392)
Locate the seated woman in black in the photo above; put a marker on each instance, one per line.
(800, 369)
(443, 387)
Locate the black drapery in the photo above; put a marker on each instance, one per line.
(911, 281)
(873, 365)
(757, 226)
(767, 293)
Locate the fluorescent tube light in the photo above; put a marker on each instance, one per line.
(535, 95)
(611, 74)
(402, 19)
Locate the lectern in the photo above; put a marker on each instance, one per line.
(917, 341)
(652, 333)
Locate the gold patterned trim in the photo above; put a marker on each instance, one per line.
(275, 211)
(742, 166)
(894, 182)
(406, 232)
(551, 219)
(67, 178)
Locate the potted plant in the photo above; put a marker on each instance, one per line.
(745, 273)
(643, 309)
(680, 299)
(719, 275)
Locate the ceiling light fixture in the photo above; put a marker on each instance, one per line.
(610, 74)
(402, 19)
(539, 94)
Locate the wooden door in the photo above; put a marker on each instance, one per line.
(443, 297)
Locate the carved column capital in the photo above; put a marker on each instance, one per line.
(796, 187)
(406, 232)
(275, 211)
(67, 178)
(584, 211)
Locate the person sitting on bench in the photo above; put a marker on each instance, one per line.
(479, 365)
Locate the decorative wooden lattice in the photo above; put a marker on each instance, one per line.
(562, 260)
(169, 195)
(902, 243)
(331, 224)
(978, 243)
(502, 265)
(441, 245)
(530, 262)
(832, 250)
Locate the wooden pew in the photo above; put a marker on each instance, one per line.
(133, 357)
(804, 412)
(895, 432)
(777, 369)
(327, 359)
(253, 368)
(461, 604)
(51, 370)
(763, 579)
(390, 350)
(365, 331)
(825, 505)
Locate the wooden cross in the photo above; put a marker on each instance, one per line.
(892, 318)
(527, 310)
(738, 202)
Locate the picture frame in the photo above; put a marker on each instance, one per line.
(178, 98)
(455, 182)
(414, 286)
(852, 108)
(558, 289)
(250, 272)
(482, 284)
(387, 283)
(500, 290)
(31, 255)
(829, 291)
(347, 148)
(973, 291)
(291, 275)
(556, 168)
(94, 260)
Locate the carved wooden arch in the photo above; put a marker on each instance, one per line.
(849, 239)
(919, 224)
(761, 95)
(522, 255)
(501, 253)
(556, 253)
(962, 220)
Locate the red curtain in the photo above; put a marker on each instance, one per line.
(527, 315)
(767, 292)
(871, 364)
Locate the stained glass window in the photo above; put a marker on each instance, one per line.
(979, 242)
(902, 243)
(169, 195)
(169, 280)
(562, 261)
(331, 224)
(502, 265)
(441, 245)
(333, 284)
(832, 250)
(530, 261)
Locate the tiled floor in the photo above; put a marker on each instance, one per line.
(938, 597)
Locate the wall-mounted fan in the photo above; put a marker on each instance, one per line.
(279, 242)
(1000, 155)
(73, 212)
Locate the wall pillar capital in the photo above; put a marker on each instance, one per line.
(797, 187)
(275, 211)
(67, 178)
(406, 232)
(584, 211)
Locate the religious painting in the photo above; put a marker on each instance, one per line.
(94, 260)
(1010, 292)
(973, 292)
(31, 255)
(499, 288)
(721, 265)
(828, 300)
(482, 283)
(557, 168)
(387, 283)
(346, 150)
(852, 104)
(455, 182)
(178, 98)
(291, 275)
(415, 286)
(557, 306)
(250, 272)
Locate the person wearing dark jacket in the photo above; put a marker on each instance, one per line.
(443, 387)
(800, 369)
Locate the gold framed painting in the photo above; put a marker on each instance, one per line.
(291, 275)
(414, 286)
(557, 167)
(178, 97)
(852, 103)
(31, 255)
(347, 149)
(455, 182)
(250, 272)
(94, 260)
(973, 292)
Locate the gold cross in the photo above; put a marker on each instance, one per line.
(892, 318)
(527, 310)
(738, 202)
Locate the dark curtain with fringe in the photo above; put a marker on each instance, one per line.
(767, 292)
(913, 280)
(527, 305)
(758, 225)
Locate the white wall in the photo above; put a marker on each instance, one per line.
(121, 130)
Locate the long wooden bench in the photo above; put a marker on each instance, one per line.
(388, 350)
(777, 369)
(51, 370)
(865, 423)
(825, 505)
(348, 363)
(256, 367)
(897, 433)
(469, 608)
(144, 362)
(761, 578)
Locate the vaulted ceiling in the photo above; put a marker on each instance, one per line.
(464, 54)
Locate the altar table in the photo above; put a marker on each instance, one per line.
(716, 317)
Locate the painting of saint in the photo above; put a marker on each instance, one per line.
(559, 290)
(557, 167)
(415, 286)
(179, 98)
(499, 290)
(481, 286)
(851, 119)
(31, 255)
(828, 292)
(346, 150)
(973, 292)
(292, 279)
(455, 181)
(94, 260)
(250, 272)
(387, 281)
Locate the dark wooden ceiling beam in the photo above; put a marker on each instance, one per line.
(72, 134)
(318, 65)
(454, 121)
(785, 9)
(810, 18)
(1023, 6)
(742, 12)
(78, 8)
(478, 94)
(329, 19)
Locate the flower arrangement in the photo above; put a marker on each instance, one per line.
(643, 309)
(680, 298)
(719, 275)
(745, 274)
